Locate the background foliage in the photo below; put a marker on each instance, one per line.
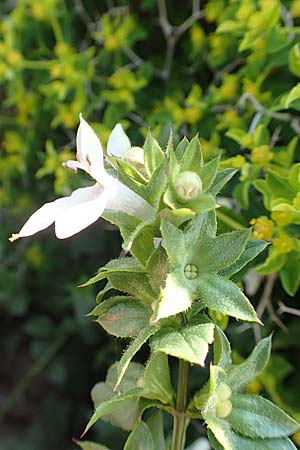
(229, 70)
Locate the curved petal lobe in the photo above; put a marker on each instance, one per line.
(85, 206)
(43, 217)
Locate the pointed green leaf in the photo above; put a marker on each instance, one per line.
(110, 406)
(189, 343)
(224, 296)
(140, 438)
(241, 375)
(240, 136)
(126, 223)
(135, 284)
(108, 287)
(140, 242)
(290, 151)
(209, 226)
(170, 200)
(294, 60)
(133, 348)
(135, 182)
(253, 248)
(290, 274)
(173, 168)
(153, 154)
(240, 442)
(232, 26)
(174, 242)
(292, 96)
(229, 219)
(195, 232)
(192, 157)
(279, 186)
(218, 253)
(129, 381)
(156, 381)
(257, 417)
(241, 194)
(222, 349)
(273, 263)
(174, 299)
(177, 216)
(156, 427)
(206, 399)
(158, 268)
(222, 178)
(196, 308)
(294, 176)
(123, 316)
(250, 38)
(170, 144)
(263, 188)
(181, 147)
(261, 135)
(129, 170)
(157, 185)
(208, 172)
(102, 393)
(127, 265)
(222, 433)
(205, 202)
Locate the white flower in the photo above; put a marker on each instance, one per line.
(85, 205)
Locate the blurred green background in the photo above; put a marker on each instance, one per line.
(227, 69)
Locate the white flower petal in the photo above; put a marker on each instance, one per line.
(89, 148)
(85, 207)
(118, 142)
(43, 217)
(121, 198)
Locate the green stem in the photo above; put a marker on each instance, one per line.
(57, 29)
(180, 421)
(229, 221)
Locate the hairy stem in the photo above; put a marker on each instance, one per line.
(180, 421)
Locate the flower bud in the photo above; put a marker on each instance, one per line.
(223, 409)
(135, 157)
(224, 405)
(223, 391)
(188, 186)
